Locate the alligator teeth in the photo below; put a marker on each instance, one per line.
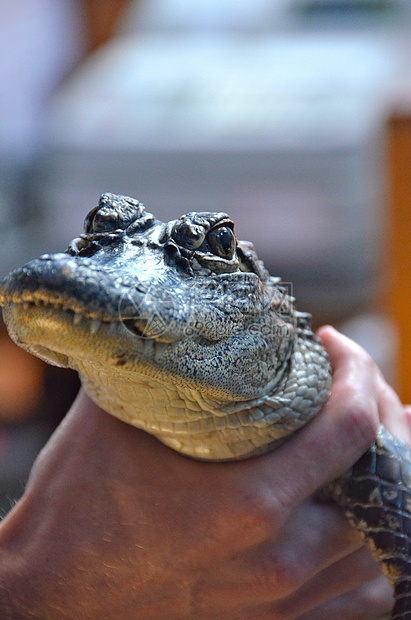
(76, 318)
(95, 326)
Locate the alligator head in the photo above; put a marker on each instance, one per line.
(154, 313)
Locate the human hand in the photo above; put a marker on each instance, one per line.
(114, 524)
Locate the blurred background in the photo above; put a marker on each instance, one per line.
(294, 116)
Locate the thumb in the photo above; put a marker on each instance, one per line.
(337, 437)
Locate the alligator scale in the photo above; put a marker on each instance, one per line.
(177, 328)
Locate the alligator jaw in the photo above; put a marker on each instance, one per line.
(47, 329)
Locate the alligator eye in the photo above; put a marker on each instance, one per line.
(222, 242)
(113, 213)
(102, 219)
(106, 219)
(89, 221)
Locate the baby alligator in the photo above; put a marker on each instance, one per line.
(178, 328)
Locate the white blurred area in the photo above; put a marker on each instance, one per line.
(41, 40)
(214, 15)
(38, 44)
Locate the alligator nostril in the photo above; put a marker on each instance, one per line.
(77, 245)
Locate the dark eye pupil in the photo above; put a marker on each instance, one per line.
(222, 242)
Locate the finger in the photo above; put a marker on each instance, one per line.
(333, 441)
(367, 602)
(341, 349)
(316, 537)
(407, 417)
(344, 576)
(392, 412)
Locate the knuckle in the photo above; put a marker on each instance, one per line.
(259, 513)
(359, 353)
(363, 356)
(265, 509)
(376, 596)
(377, 593)
(279, 574)
(361, 364)
(361, 421)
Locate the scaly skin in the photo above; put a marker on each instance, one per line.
(178, 329)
